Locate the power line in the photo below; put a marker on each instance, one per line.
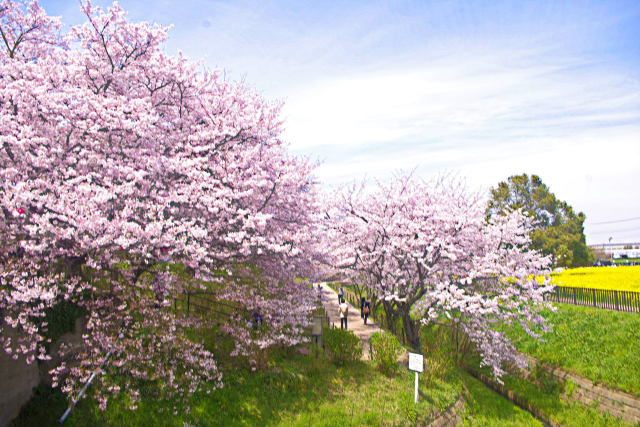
(614, 231)
(616, 221)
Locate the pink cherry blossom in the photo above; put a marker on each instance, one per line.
(122, 160)
(426, 252)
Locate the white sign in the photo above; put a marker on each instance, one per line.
(415, 362)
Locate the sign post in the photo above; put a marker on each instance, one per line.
(317, 329)
(416, 363)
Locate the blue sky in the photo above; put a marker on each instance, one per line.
(481, 89)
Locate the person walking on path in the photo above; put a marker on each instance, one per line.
(340, 294)
(362, 300)
(344, 312)
(362, 331)
(366, 309)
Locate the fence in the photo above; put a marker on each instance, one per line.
(206, 303)
(602, 298)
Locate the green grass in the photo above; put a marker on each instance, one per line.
(300, 390)
(485, 407)
(295, 389)
(601, 345)
(547, 396)
(575, 327)
(546, 393)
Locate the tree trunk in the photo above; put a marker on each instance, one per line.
(390, 314)
(411, 329)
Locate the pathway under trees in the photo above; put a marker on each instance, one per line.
(354, 322)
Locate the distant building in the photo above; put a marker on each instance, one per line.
(619, 250)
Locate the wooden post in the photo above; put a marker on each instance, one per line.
(623, 301)
(593, 291)
(574, 297)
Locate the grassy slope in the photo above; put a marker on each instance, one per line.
(295, 390)
(300, 390)
(598, 344)
(484, 407)
(601, 345)
(547, 396)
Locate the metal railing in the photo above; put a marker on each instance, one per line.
(602, 298)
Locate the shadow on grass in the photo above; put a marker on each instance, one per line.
(293, 383)
(293, 389)
(486, 407)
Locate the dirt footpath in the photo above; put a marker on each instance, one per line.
(354, 322)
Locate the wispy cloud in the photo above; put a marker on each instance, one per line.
(574, 123)
(459, 99)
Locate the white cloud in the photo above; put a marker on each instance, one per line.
(457, 100)
(580, 131)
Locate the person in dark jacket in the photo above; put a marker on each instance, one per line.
(362, 300)
(256, 319)
(366, 310)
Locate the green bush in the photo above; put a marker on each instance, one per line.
(342, 345)
(439, 352)
(385, 350)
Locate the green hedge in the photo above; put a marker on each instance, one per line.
(342, 345)
(385, 350)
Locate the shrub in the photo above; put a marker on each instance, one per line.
(342, 345)
(385, 350)
(440, 352)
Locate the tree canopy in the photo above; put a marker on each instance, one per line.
(118, 163)
(425, 251)
(555, 228)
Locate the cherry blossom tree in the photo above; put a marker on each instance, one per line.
(118, 161)
(425, 251)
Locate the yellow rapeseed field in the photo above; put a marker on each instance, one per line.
(624, 278)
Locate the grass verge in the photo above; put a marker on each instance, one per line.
(295, 389)
(485, 407)
(598, 344)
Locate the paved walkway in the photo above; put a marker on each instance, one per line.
(354, 322)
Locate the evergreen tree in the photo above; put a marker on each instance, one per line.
(555, 228)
